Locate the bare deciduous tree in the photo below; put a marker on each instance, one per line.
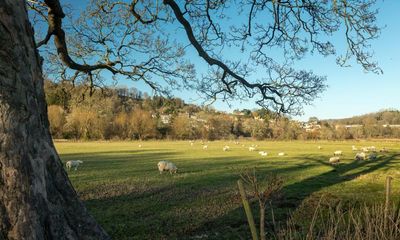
(141, 40)
(251, 47)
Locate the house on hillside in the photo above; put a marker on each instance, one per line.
(391, 125)
(197, 119)
(164, 118)
(259, 118)
(348, 126)
(311, 126)
(353, 126)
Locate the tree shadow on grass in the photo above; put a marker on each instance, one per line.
(128, 196)
(234, 225)
(177, 209)
(338, 174)
(201, 199)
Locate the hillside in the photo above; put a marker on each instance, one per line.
(383, 117)
(78, 112)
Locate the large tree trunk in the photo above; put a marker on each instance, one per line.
(37, 201)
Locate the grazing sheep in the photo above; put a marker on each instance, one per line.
(338, 153)
(383, 150)
(167, 166)
(319, 147)
(372, 148)
(360, 156)
(372, 156)
(353, 148)
(140, 145)
(281, 154)
(205, 147)
(161, 166)
(236, 143)
(263, 153)
(365, 149)
(191, 144)
(73, 164)
(226, 148)
(252, 149)
(334, 160)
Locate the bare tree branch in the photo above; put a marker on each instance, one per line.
(138, 40)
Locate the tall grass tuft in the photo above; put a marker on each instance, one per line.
(324, 217)
(366, 222)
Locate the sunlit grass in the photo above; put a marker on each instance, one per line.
(122, 188)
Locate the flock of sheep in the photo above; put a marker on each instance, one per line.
(364, 153)
(171, 167)
(252, 148)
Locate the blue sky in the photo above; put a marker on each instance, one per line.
(350, 91)
(353, 92)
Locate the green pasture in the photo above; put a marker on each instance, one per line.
(122, 188)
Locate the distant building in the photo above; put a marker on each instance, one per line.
(259, 118)
(361, 125)
(391, 125)
(354, 126)
(348, 126)
(165, 118)
(311, 126)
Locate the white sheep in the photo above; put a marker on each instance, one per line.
(334, 160)
(263, 153)
(365, 149)
(354, 148)
(372, 148)
(73, 164)
(338, 153)
(252, 149)
(384, 150)
(140, 145)
(226, 148)
(360, 156)
(205, 147)
(281, 154)
(319, 147)
(167, 166)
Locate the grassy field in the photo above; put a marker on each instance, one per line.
(122, 188)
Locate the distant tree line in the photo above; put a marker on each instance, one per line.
(77, 112)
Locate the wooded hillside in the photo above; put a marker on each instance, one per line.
(79, 112)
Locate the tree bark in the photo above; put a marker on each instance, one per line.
(37, 201)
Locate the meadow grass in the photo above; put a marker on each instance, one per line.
(120, 184)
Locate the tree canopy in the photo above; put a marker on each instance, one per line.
(250, 47)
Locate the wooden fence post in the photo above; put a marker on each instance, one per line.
(387, 202)
(247, 209)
